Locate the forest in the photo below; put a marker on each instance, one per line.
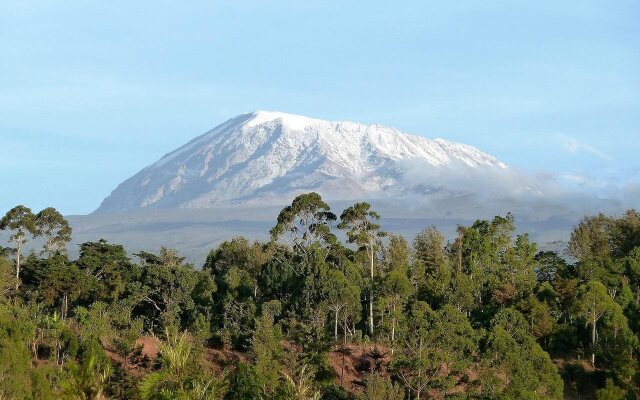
(331, 307)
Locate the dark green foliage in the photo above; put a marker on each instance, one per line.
(107, 268)
(611, 392)
(483, 316)
(360, 224)
(380, 388)
(268, 350)
(166, 290)
(86, 380)
(550, 266)
(21, 223)
(439, 347)
(513, 352)
(7, 277)
(121, 384)
(307, 220)
(245, 384)
(51, 225)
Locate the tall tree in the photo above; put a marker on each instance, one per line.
(341, 295)
(6, 277)
(166, 288)
(397, 289)
(107, 268)
(267, 348)
(20, 222)
(437, 350)
(397, 254)
(56, 230)
(62, 284)
(549, 265)
(512, 352)
(432, 261)
(307, 220)
(592, 303)
(590, 244)
(362, 228)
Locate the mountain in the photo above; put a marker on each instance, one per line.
(266, 158)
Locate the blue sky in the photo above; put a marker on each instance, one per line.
(92, 91)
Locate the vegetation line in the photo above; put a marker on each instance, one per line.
(305, 316)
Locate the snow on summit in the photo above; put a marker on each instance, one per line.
(268, 157)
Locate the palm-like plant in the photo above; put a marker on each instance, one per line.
(300, 387)
(168, 381)
(207, 390)
(173, 380)
(86, 381)
(175, 351)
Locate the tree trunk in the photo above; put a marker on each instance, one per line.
(593, 342)
(65, 305)
(393, 328)
(335, 326)
(371, 294)
(419, 386)
(18, 254)
(344, 332)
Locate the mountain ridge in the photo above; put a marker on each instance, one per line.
(267, 157)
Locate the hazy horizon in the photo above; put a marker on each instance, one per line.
(92, 93)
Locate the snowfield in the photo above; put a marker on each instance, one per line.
(266, 158)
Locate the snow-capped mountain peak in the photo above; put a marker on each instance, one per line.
(268, 157)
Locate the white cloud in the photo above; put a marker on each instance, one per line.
(573, 146)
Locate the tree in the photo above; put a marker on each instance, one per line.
(20, 221)
(307, 220)
(592, 303)
(56, 231)
(258, 255)
(515, 366)
(234, 301)
(107, 268)
(397, 289)
(241, 254)
(513, 277)
(437, 349)
(6, 277)
(340, 295)
(15, 363)
(428, 246)
(63, 283)
(380, 388)
(268, 350)
(245, 384)
(549, 265)
(540, 318)
(433, 264)
(360, 223)
(617, 343)
(592, 244)
(166, 289)
(397, 254)
(632, 271)
(611, 392)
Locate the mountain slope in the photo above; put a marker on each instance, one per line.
(265, 158)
